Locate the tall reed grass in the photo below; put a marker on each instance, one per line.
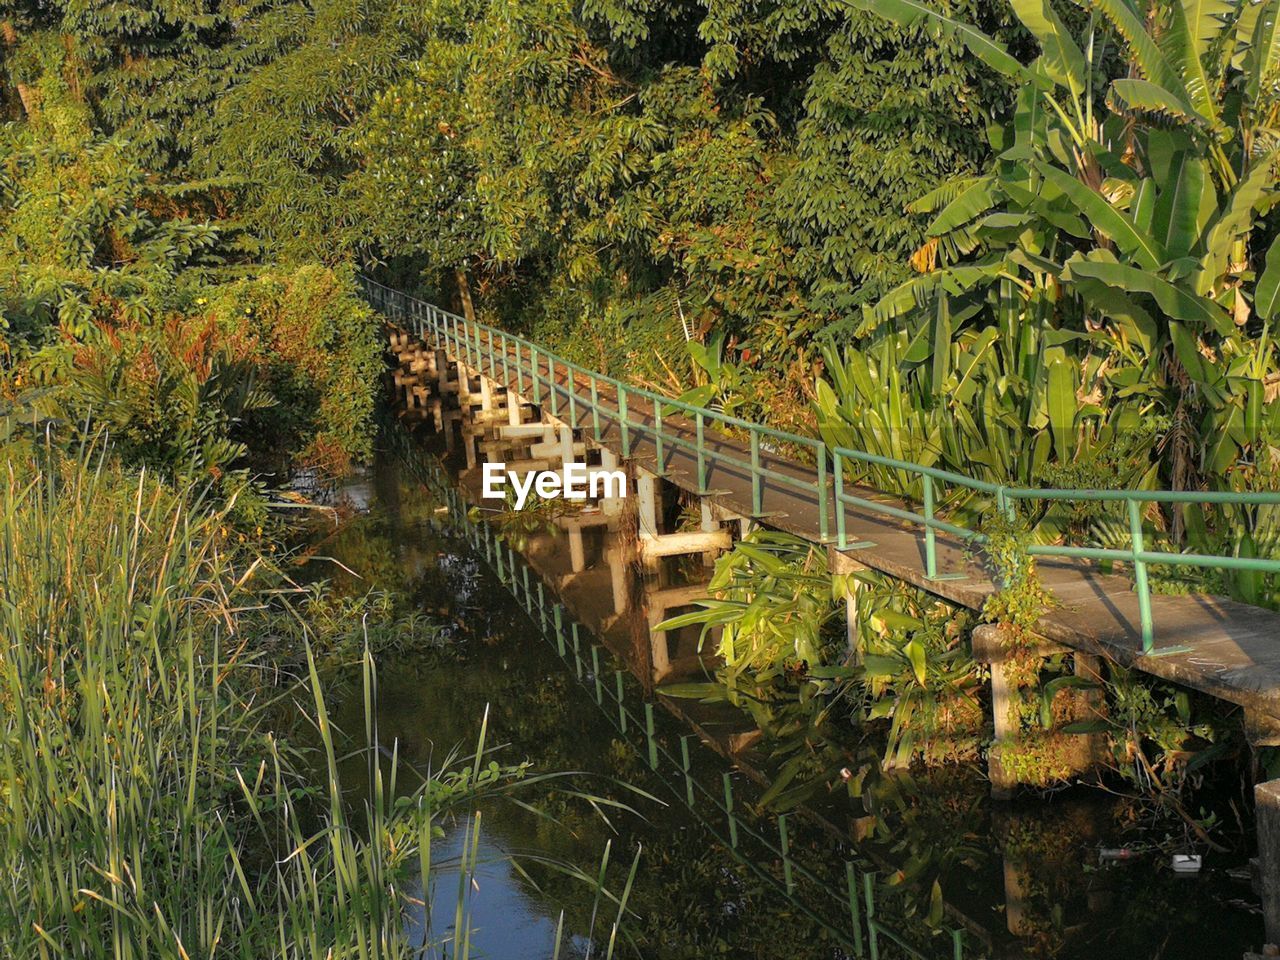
(149, 806)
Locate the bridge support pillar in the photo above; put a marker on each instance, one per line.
(712, 526)
(1081, 752)
(617, 562)
(577, 550)
(647, 504)
(566, 445)
(1267, 810)
(487, 394)
(840, 563)
(464, 385)
(609, 506)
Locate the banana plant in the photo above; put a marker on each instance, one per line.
(1119, 230)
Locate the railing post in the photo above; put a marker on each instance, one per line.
(537, 377)
(869, 891)
(622, 709)
(824, 526)
(1141, 586)
(728, 809)
(855, 908)
(657, 436)
(648, 729)
(785, 844)
(757, 490)
(702, 453)
(838, 472)
(595, 406)
(577, 648)
(623, 420)
(686, 766)
(930, 535)
(551, 385)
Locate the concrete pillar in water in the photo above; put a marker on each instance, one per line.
(659, 645)
(566, 444)
(989, 649)
(1085, 749)
(709, 525)
(577, 551)
(1267, 802)
(647, 504)
(618, 579)
(609, 506)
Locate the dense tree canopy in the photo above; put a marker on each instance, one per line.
(1043, 224)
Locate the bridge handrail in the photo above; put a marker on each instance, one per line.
(828, 484)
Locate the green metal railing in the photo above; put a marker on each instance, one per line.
(847, 905)
(567, 388)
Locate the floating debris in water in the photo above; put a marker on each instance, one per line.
(1187, 862)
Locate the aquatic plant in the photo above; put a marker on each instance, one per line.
(155, 761)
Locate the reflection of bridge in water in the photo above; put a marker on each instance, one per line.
(697, 489)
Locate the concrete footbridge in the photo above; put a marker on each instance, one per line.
(744, 474)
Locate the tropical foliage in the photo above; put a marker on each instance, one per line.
(1096, 306)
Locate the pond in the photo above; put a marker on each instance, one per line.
(1041, 868)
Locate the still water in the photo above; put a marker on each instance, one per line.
(1032, 867)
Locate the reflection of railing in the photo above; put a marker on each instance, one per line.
(849, 905)
(537, 372)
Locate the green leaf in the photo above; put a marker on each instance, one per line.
(1174, 301)
(1142, 47)
(989, 51)
(1061, 399)
(1106, 218)
(707, 692)
(1193, 26)
(1264, 49)
(1086, 726)
(1135, 323)
(941, 344)
(974, 200)
(832, 673)
(877, 667)
(914, 651)
(1063, 60)
(1178, 207)
(1255, 193)
(1266, 295)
